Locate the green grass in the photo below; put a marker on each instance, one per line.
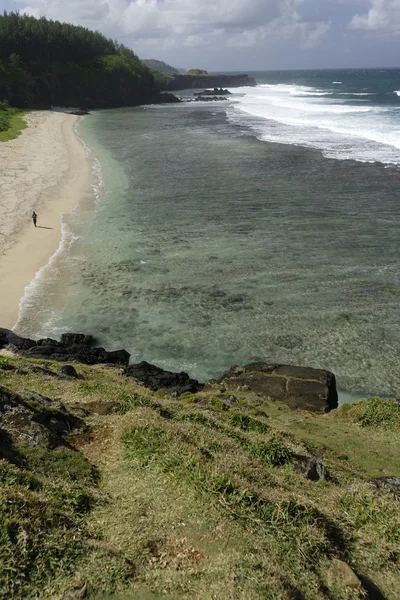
(42, 527)
(11, 122)
(197, 72)
(196, 498)
(273, 452)
(372, 412)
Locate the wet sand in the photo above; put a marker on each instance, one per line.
(45, 169)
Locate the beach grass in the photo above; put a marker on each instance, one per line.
(11, 122)
(198, 498)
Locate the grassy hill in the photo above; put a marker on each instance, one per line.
(205, 496)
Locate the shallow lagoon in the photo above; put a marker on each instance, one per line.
(209, 247)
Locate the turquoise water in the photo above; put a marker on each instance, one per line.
(212, 244)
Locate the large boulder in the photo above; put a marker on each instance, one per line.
(33, 419)
(8, 337)
(166, 98)
(156, 378)
(69, 339)
(299, 387)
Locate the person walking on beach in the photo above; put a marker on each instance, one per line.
(34, 218)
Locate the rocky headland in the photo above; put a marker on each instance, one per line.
(185, 82)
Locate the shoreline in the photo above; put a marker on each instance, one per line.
(46, 169)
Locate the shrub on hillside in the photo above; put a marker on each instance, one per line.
(372, 412)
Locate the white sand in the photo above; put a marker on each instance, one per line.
(45, 169)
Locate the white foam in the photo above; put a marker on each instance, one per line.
(98, 185)
(337, 82)
(34, 290)
(397, 92)
(312, 118)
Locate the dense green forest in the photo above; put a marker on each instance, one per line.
(159, 65)
(44, 63)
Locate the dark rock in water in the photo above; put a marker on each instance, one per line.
(156, 378)
(315, 470)
(118, 357)
(70, 371)
(166, 98)
(389, 484)
(210, 99)
(33, 419)
(80, 112)
(69, 339)
(214, 92)
(298, 387)
(72, 347)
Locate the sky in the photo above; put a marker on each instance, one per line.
(232, 35)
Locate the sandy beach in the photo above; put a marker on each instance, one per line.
(45, 169)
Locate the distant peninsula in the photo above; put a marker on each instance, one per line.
(197, 78)
(46, 63)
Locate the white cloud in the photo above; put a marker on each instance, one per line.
(235, 23)
(383, 15)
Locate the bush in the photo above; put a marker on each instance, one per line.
(372, 412)
(273, 452)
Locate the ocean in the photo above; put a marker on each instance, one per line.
(265, 227)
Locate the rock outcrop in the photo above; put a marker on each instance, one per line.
(156, 378)
(165, 98)
(387, 484)
(186, 82)
(210, 99)
(214, 92)
(298, 387)
(33, 419)
(73, 346)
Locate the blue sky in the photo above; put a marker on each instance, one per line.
(241, 34)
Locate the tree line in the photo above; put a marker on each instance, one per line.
(44, 62)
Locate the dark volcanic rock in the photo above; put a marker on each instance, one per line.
(156, 378)
(72, 347)
(214, 92)
(76, 339)
(8, 337)
(34, 419)
(70, 371)
(166, 98)
(298, 387)
(389, 484)
(315, 470)
(80, 112)
(210, 99)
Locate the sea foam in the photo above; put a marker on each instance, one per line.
(314, 118)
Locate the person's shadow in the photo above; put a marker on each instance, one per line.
(42, 227)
